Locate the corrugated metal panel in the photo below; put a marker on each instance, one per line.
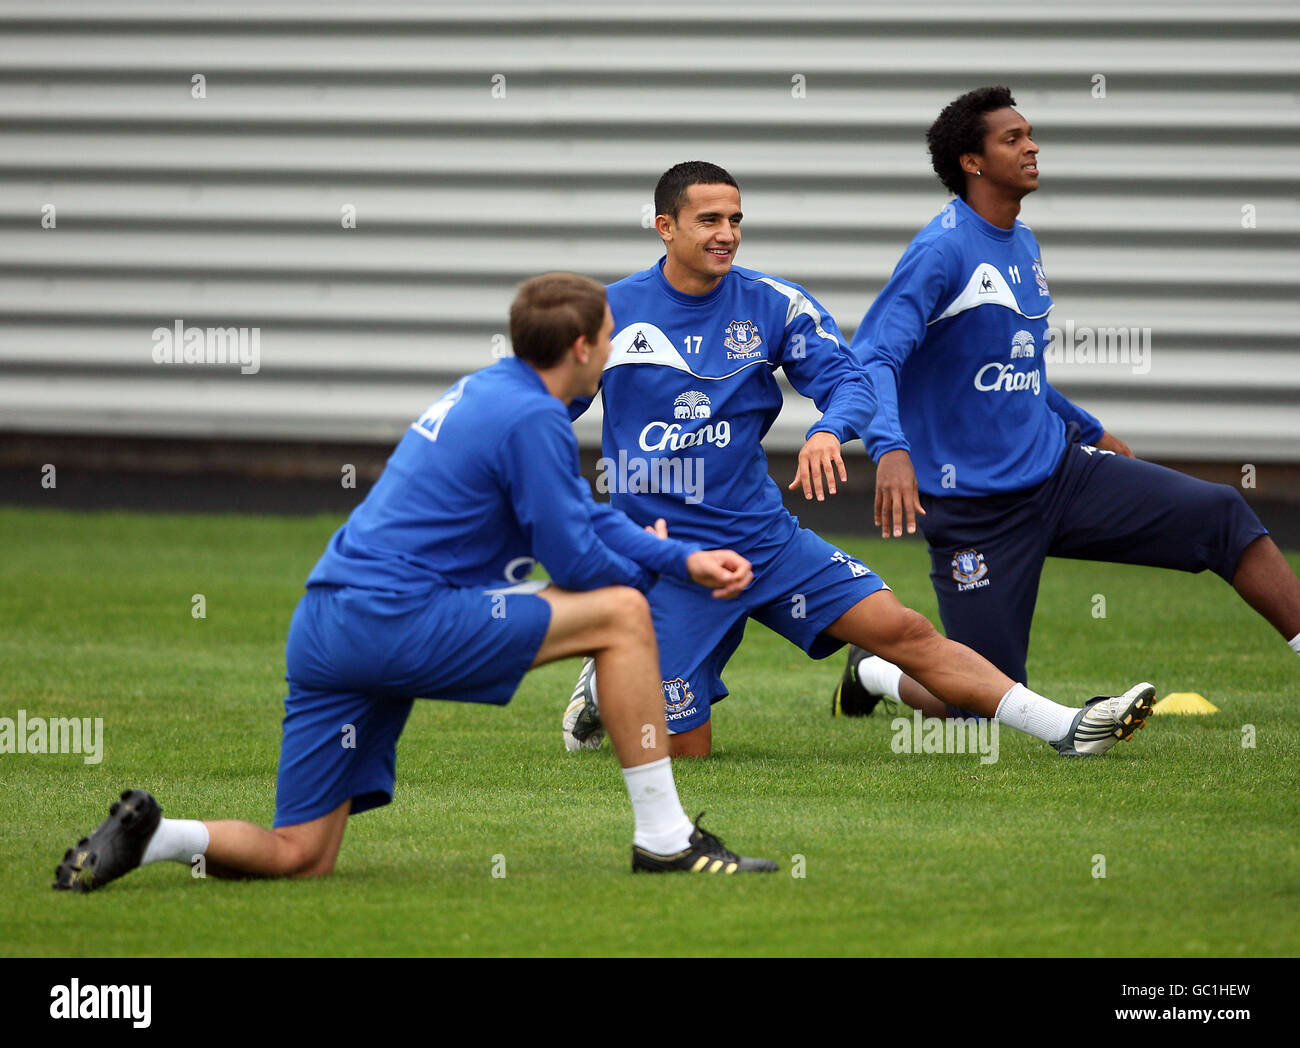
(225, 211)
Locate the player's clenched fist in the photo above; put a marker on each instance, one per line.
(725, 570)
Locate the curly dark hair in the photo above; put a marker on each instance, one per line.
(670, 193)
(960, 129)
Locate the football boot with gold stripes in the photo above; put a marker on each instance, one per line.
(705, 854)
(116, 847)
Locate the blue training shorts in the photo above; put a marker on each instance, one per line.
(987, 553)
(800, 587)
(357, 658)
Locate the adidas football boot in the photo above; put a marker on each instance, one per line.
(581, 725)
(1105, 721)
(115, 848)
(851, 699)
(704, 854)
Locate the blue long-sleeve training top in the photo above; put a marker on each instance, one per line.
(690, 390)
(483, 484)
(954, 346)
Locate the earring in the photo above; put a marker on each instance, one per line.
(979, 172)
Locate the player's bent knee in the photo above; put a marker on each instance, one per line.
(584, 623)
(631, 601)
(628, 609)
(305, 856)
(695, 743)
(1227, 526)
(1215, 502)
(322, 868)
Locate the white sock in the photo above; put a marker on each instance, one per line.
(1294, 643)
(1035, 715)
(661, 825)
(875, 674)
(177, 840)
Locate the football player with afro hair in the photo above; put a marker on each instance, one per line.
(1011, 472)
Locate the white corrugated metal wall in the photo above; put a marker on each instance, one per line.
(479, 144)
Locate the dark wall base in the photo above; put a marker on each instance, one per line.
(190, 476)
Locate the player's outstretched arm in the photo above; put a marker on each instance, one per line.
(897, 498)
(554, 507)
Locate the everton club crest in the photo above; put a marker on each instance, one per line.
(742, 340)
(1040, 278)
(969, 570)
(678, 695)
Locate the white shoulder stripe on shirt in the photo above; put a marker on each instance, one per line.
(799, 304)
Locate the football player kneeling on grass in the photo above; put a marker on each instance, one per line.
(1012, 472)
(422, 594)
(700, 341)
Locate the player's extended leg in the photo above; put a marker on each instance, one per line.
(949, 671)
(1134, 512)
(242, 849)
(957, 675)
(986, 557)
(1266, 582)
(614, 623)
(993, 620)
(135, 834)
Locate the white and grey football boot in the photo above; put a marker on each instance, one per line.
(1105, 721)
(582, 727)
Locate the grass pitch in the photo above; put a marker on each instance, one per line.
(912, 855)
